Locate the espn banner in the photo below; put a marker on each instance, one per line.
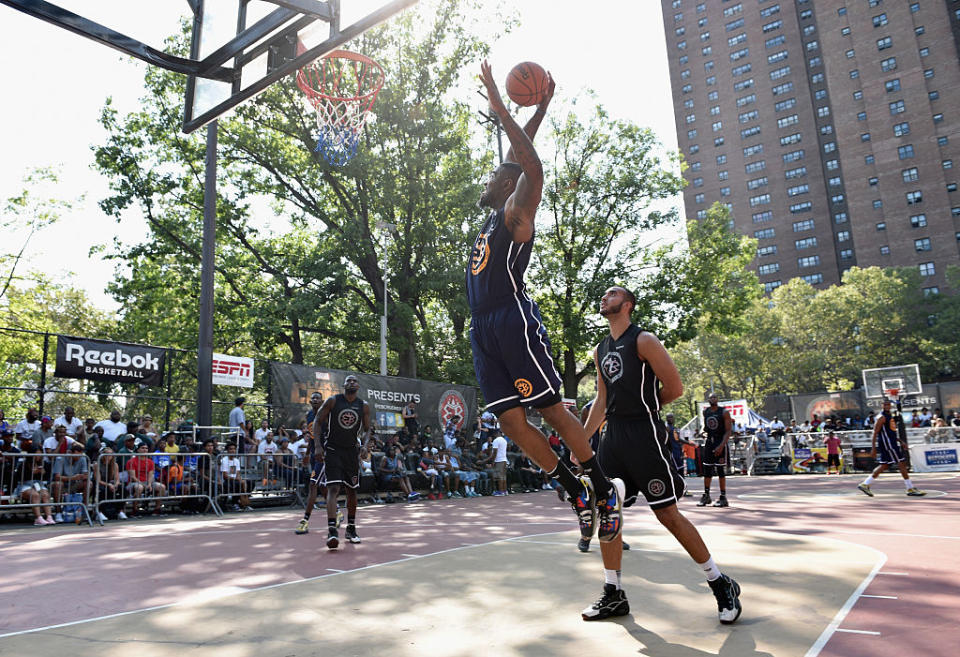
(100, 360)
(232, 371)
(292, 385)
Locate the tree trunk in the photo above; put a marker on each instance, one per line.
(569, 376)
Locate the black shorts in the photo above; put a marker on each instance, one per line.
(714, 465)
(341, 465)
(636, 451)
(833, 459)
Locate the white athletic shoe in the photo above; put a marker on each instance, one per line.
(121, 516)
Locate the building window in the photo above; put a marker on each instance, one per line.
(770, 11)
(701, 214)
(846, 254)
(717, 126)
(793, 156)
(881, 225)
(884, 43)
(873, 181)
(790, 139)
(830, 147)
(798, 189)
(918, 220)
(724, 191)
(820, 94)
(922, 244)
(771, 286)
(910, 175)
(938, 118)
(690, 118)
(797, 208)
(762, 217)
(777, 57)
(806, 243)
(905, 152)
(880, 20)
(698, 182)
(712, 80)
(695, 166)
(809, 29)
(924, 52)
(763, 234)
(889, 64)
(840, 218)
(808, 261)
(687, 88)
(813, 62)
(750, 151)
(817, 78)
(826, 129)
(951, 187)
(762, 199)
(773, 42)
(915, 197)
(770, 27)
(743, 84)
(914, 7)
(864, 136)
(919, 29)
(868, 159)
(858, 95)
(843, 236)
(884, 250)
(836, 199)
(781, 89)
(901, 129)
(854, 74)
(733, 25)
(842, 11)
(850, 53)
(877, 204)
(781, 72)
(770, 268)
(745, 100)
(798, 172)
(706, 50)
(823, 111)
(698, 198)
(861, 116)
(813, 45)
(746, 117)
(928, 73)
(800, 226)
(737, 40)
(931, 291)
(739, 54)
(789, 103)
(694, 149)
(813, 279)
(723, 175)
(833, 165)
(750, 132)
(947, 164)
(757, 183)
(933, 95)
(708, 66)
(787, 121)
(767, 250)
(713, 95)
(715, 110)
(721, 159)
(892, 85)
(845, 31)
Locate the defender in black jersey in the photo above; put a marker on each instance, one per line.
(886, 436)
(511, 350)
(718, 426)
(341, 419)
(635, 378)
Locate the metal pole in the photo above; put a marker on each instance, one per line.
(205, 338)
(166, 405)
(383, 329)
(43, 374)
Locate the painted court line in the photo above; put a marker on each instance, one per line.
(887, 572)
(882, 597)
(858, 632)
(336, 570)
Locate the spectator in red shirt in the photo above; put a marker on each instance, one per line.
(140, 470)
(832, 442)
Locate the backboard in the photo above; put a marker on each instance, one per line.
(905, 378)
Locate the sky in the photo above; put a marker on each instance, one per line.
(56, 82)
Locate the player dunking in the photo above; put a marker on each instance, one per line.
(890, 453)
(341, 419)
(511, 350)
(635, 378)
(719, 427)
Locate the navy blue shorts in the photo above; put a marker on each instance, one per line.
(889, 450)
(511, 356)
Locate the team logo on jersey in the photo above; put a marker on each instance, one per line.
(348, 419)
(452, 404)
(612, 366)
(712, 422)
(481, 254)
(656, 487)
(524, 387)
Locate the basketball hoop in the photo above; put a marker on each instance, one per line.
(341, 87)
(892, 393)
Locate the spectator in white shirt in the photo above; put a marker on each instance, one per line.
(70, 421)
(499, 446)
(777, 428)
(267, 448)
(232, 482)
(112, 428)
(29, 425)
(261, 433)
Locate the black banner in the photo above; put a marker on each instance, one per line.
(292, 385)
(100, 360)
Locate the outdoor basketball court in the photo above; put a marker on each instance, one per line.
(824, 570)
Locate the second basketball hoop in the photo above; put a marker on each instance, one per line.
(342, 87)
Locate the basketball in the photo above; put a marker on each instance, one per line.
(526, 84)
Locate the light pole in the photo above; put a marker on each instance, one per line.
(387, 228)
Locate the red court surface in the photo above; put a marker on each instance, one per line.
(908, 604)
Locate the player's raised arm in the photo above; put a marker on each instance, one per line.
(533, 124)
(521, 206)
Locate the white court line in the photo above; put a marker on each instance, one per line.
(335, 570)
(834, 625)
(883, 597)
(887, 572)
(859, 632)
(414, 556)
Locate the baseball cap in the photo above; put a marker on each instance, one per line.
(46, 418)
(128, 436)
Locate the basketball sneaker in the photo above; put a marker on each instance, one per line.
(609, 510)
(583, 544)
(704, 500)
(721, 501)
(351, 534)
(865, 489)
(585, 506)
(333, 538)
(727, 593)
(916, 492)
(339, 517)
(302, 528)
(613, 602)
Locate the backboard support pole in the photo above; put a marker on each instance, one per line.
(205, 338)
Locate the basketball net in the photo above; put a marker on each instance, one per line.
(342, 87)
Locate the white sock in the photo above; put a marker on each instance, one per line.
(611, 577)
(869, 480)
(710, 569)
(908, 483)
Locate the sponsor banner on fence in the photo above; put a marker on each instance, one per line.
(232, 370)
(435, 402)
(101, 360)
(935, 458)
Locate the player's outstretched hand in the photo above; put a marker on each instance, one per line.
(548, 95)
(493, 94)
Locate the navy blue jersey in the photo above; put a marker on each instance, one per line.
(496, 266)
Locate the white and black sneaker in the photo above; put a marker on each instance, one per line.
(704, 500)
(351, 534)
(333, 538)
(727, 593)
(613, 602)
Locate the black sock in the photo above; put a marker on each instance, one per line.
(332, 523)
(563, 475)
(306, 515)
(351, 521)
(601, 485)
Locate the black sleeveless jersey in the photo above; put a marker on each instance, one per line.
(496, 266)
(713, 423)
(632, 387)
(344, 422)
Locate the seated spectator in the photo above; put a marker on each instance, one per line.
(205, 475)
(59, 442)
(762, 439)
(451, 483)
(106, 477)
(113, 428)
(231, 479)
(141, 477)
(89, 425)
(28, 426)
(4, 425)
(786, 456)
(24, 476)
(71, 474)
(479, 480)
(529, 474)
(147, 429)
(366, 462)
(285, 463)
(94, 444)
(392, 470)
(777, 428)
(428, 467)
(70, 421)
(249, 443)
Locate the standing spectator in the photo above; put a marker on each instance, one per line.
(141, 474)
(28, 425)
(68, 420)
(450, 432)
(499, 447)
(832, 442)
(71, 474)
(410, 422)
(786, 456)
(237, 417)
(112, 428)
(232, 482)
(266, 451)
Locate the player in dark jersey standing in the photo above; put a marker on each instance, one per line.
(719, 427)
(635, 378)
(341, 419)
(511, 350)
(890, 453)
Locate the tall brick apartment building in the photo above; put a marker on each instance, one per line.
(830, 127)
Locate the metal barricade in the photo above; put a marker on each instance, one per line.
(221, 435)
(179, 476)
(43, 481)
(259, 476)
